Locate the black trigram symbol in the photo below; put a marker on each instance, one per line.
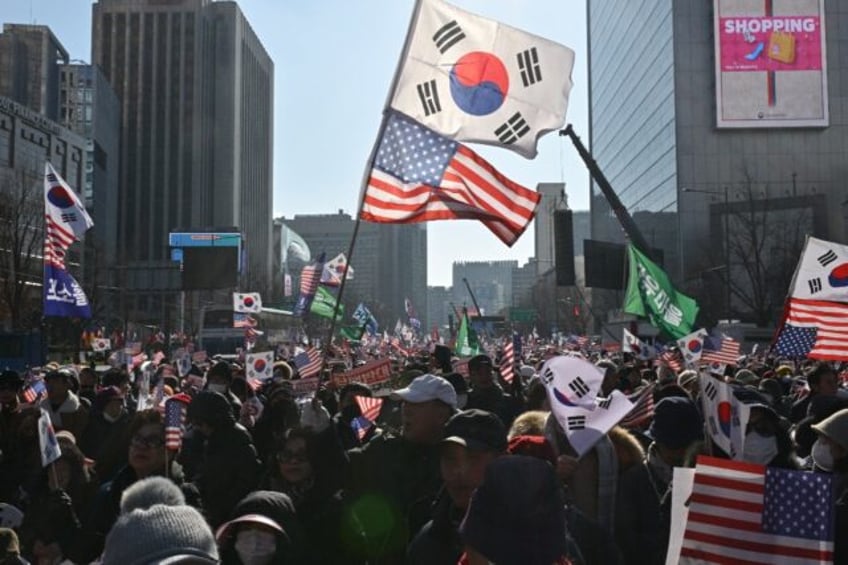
(815, 285)
(69, 217)
(513, 129)
(429, 96)
(710, 391)
(528, 64)
(579, 387)
(576, 423)
(51, 178)
(605, 403)
(448, 35)
(827, 258)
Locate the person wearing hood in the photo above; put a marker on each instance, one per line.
(104, 440)
(219, 378)
(66, 410)
(517, 526)
(767, 441)
(263, 530)
(830, 455)
(229, 466)
(643, 508)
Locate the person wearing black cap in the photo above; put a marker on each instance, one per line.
(473, 439)
(643, 509)
(487, 394)
(66, 410)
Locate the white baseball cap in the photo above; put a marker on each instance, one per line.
(425, 388)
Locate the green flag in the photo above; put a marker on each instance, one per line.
(324, 304)
(352, 333)
(650, 295)
(466, 339)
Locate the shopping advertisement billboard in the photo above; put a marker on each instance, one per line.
(771, 63)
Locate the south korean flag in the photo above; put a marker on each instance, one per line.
(474, 79)
(822, 272)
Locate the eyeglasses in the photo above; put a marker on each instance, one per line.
(146, 441)
(287, 456)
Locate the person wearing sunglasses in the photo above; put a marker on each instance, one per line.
(146, 457)
(298, 470)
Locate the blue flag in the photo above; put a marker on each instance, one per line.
(365, 318)
(63, 296)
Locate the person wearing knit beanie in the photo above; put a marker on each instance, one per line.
(160, 533)
(152, 490)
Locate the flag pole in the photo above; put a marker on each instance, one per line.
(621, 213)
(366, 174)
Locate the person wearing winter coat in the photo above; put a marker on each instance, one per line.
(229, 466)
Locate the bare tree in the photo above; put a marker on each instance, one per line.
(764, 243)
(21, 244)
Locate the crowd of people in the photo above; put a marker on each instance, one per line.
(452, 468)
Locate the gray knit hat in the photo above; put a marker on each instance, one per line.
(159, 533)
(149, 491)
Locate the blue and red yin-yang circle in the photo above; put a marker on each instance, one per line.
(479, 83)
(259, 366)
(58, 196)
(248, 301)
(838, 277)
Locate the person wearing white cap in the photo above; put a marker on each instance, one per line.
(398, 476)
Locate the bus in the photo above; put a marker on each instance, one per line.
(217, 336)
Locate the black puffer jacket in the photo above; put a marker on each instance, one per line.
(229, 466)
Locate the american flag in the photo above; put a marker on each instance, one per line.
(34, 392)
(725, 351)
(360, 426)
(745, 513)
(508, 362)
(815, 329)
(672, 359)
(643, 408)
(396, 345)
(308, 362)
(419, 176)
(174, 421)
(244, 320)
(369, 406)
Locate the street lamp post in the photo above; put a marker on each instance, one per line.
(725, 193)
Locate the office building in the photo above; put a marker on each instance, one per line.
(30, 56)
(389, 261)
(196, 91)
(90, 108)
(27, 140)
(490, 283)
(553, 198)
(699, 148)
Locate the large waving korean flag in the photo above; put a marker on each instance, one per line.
(474, 79)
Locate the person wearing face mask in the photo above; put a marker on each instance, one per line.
(830, 455)
(264, 530)
(767, 440)
(104, 439)
(219, 377)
